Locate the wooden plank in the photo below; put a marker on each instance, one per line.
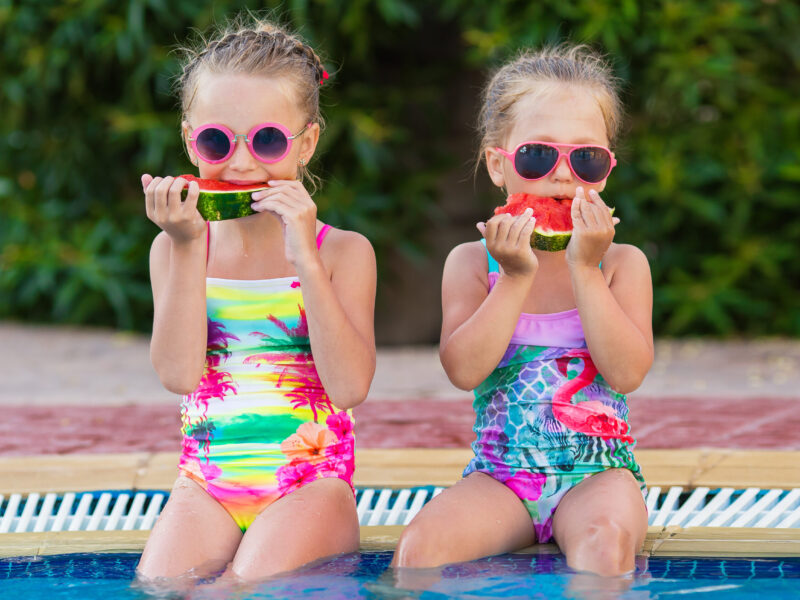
(70, 472)
(394, 468)
(727, 542)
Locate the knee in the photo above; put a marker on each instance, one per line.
(416, 549)
(606, 548)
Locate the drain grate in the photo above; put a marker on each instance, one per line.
(125, 510)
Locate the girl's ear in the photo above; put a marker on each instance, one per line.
(494, 164)
(186, 143)
(308, 142)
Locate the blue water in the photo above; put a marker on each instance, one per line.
(96, 576)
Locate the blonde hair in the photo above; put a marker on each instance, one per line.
(256, 47)
(537, 72)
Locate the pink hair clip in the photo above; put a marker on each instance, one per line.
(324, 76)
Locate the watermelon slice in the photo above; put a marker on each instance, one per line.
(553, 219)
(220, 200)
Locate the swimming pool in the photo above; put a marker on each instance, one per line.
(365, 575)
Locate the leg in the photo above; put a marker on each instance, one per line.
(601, 523)
(315, 521)
(193, 531)
(478, 516)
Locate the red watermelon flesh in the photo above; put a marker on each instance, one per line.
(220, 200)
(553, 227)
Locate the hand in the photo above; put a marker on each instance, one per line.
(178, 218)
(288, 199)
(592, 230)
(508, 240)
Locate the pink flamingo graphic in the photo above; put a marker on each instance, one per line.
(591, 416)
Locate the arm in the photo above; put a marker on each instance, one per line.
(340, 307)
(340, 313)
(617, 319)
(177, 275)
(476, 327)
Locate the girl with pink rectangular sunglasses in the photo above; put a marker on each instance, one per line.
(549, 342)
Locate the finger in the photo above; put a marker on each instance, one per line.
(150, 196)
(146, 179)
(162, 202)
(490, 232)
(503, 227)
(588, 214)
(174, 193)
(481, 227)
(603, 213)
(192, 196)
(575, 212)
(526, 232)
(519, 222)
(615, 221)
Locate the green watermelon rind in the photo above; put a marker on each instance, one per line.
(220, 206)
(550, 242)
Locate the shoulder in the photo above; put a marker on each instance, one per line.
(625, 260)
(342, 247)
(467, 260)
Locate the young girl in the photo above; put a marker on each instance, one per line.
(549, 341)
(264, 323)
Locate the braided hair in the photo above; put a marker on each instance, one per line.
(259, 48)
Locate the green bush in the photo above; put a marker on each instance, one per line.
(708, 182)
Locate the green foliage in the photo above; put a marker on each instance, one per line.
(708, 182)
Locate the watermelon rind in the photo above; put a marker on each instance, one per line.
(224, 204)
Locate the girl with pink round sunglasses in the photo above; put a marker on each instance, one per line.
(264, 323)
(550, 342)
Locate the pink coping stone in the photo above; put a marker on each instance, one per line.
(757, 423)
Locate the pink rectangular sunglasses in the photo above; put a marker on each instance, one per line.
(536, 160)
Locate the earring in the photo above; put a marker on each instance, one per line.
(302, 162)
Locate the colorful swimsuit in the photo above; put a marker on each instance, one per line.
(260, 424)
(546, 419)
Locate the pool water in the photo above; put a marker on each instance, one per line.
(365, 575)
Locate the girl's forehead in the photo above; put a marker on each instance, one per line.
(564, 114)
(239, 101)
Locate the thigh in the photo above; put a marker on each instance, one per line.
(478, 516)
(315, 521)
(610, 498)
(194, 531)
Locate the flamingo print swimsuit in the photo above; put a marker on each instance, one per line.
(260, 424)
(545, 418)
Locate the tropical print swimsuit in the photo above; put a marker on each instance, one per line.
(260, 424)
(545, 418)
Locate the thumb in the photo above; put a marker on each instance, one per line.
(481, 227)
(146, 179)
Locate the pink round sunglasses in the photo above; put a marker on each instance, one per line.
(536, 160)
(267, 142)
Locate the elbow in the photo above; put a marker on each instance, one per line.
(182, 386)
(463, 379)
(174, 379)
(351, 395)
(628, 381)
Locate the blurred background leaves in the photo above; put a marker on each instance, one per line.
(708, 183)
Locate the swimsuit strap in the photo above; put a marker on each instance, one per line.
(321, 235)
(493, 266)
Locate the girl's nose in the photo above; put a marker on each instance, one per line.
(562, 172)
(241, 157)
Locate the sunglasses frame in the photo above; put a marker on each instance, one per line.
(248, 138)
(558, 147)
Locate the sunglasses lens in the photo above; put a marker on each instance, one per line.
(590, 163)
(534, 161)
(213, 144)
(270, 143)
